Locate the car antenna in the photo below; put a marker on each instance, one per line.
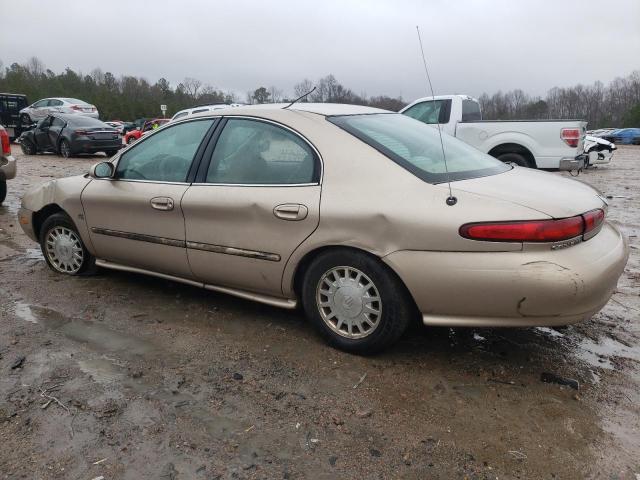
(300, 98)
(451, 200)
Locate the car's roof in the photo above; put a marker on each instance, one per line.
(325, 109)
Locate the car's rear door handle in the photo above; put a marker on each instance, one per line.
(162, 203)
(291, 211)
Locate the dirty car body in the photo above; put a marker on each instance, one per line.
(341, 209)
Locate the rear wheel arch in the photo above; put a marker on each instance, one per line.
(514, 148)
(309, 257)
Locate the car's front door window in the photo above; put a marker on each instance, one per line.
(165, 156)
(40, 104)
(251, 152)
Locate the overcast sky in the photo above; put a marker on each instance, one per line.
(472, 46)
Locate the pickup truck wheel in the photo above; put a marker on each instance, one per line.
(3, 190)
(514, 159)
(62, 247)
(355, 302)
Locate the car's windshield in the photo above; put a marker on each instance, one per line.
(416, 147)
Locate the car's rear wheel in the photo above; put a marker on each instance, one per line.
(27, 147)
(25, 119)
(3, 190)
(62, 246)
(514, 159)
(356, 302)
(65, 148)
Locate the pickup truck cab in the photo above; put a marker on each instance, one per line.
(552, 144)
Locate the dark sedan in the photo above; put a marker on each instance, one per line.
(70, 135)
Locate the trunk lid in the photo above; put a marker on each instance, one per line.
(552, 195)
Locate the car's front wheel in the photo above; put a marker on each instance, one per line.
(356, 302)
(25, 119)
(27, 147)
(62, 246)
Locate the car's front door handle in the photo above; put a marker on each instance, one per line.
(291, 211)
(162, 203)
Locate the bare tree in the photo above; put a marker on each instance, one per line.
(191, 86)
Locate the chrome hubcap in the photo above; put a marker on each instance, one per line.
(64, 250)
(349, 302)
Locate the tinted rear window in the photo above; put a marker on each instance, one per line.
(471, 111)
(416, 147)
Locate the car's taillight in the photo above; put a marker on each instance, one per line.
(75, 107)
(534, 230)
(6, 144)
(593, 219)
(571, 136)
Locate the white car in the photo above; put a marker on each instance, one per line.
(599, 150)
(47, 106)
(527, 143)
(187, 112)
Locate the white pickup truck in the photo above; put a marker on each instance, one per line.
(554, 144)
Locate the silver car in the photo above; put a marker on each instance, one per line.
(42, 108)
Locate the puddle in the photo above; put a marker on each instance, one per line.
(598, 354)
(23, 311)
(102, 370)
(550, 331)
(33, 254)
(95, 335)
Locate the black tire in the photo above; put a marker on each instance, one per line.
(3, 190)
(131, 139)
(62, 220)
(111, 153)
(27, 147)
(65, 148)
(514, 158)
(25, 119)
(396, 305)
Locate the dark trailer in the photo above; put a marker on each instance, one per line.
(10, 106)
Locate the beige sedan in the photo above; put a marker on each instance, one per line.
(345, 210)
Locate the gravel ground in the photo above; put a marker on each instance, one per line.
(130, 377)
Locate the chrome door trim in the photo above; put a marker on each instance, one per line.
(172, 242)
(140, 237)
(240, 252)
(288, 303)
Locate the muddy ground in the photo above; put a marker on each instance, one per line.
(157, 380)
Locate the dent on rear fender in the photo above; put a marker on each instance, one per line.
(555, 288)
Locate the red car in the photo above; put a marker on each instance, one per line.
(134, 135)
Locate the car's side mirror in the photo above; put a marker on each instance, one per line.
(102, 170)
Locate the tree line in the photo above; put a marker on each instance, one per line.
(614, 105)
(128, 97)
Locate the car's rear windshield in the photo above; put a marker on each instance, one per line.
(416, 147)
(82, 121)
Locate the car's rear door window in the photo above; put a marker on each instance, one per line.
(165, 156)
(252, 152)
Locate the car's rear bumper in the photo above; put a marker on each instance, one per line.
(93, 146)
(531, 287)
(8, 167)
